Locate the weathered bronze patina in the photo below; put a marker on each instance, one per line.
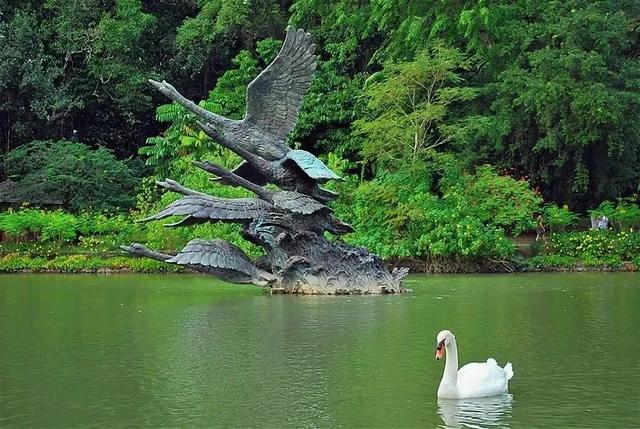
(288, 223)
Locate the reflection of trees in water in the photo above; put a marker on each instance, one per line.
(494, 411)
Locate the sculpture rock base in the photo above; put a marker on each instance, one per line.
(299, 263)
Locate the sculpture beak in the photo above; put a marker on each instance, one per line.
(338, 227)
(345, 228)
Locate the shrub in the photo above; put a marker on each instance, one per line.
(623, 215)
(551, 261)
(59, 226)
(610, 261)
(15, 262)
(397, 214)
(23, 224)
(501, 200)
(78, 176)
(558, 218)
(594, 246)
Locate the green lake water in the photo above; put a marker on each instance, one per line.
(183, 350)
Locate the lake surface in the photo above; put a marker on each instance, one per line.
(182, 350)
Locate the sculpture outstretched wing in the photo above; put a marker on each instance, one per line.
(222, 259)
(275, 96)
(204, 208)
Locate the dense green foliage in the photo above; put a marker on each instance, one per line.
(16, 262)
(408, 107)
(594, 247)
(565, 81)
(39, 240)
(63, 228)
(407, 214)
(451, 120)
(72, 173)
(624, 214)
(552, 87)
(80, 68)
(596, 244)
(558, 218)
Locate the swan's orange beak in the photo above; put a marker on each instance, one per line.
(440, 350)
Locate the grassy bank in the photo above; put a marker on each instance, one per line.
(79, 263)
(56, 241)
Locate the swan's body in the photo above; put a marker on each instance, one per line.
(474, 380)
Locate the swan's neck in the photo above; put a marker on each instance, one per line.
(451, 364)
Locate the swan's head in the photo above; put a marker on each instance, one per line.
(443, 339)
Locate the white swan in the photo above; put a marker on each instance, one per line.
(474, 380)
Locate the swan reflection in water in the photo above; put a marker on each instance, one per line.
(494, 411)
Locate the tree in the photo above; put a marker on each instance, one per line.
(209, 40)
(565, 99)
(408, 106)
(80, 177)
(31, 99)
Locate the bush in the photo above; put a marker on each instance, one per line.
(113, 229)
(609, 261)
(22, 225)
(502, 201)
(558, 218)
(30, 224)
(398, 215)
(551, 261)
(15, 262)
(595, 247)
(623, 215)
(59, 226)
(78, 176)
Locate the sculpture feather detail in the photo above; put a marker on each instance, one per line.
(226, 260)
(275, 96)
(212, 208)
(297, 203)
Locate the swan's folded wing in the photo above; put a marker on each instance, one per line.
(477, 373)
(481, 379)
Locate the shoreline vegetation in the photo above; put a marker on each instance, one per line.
(480, 236)
(38, 240)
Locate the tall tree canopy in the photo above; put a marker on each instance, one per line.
(555, 84)
(563, 93)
